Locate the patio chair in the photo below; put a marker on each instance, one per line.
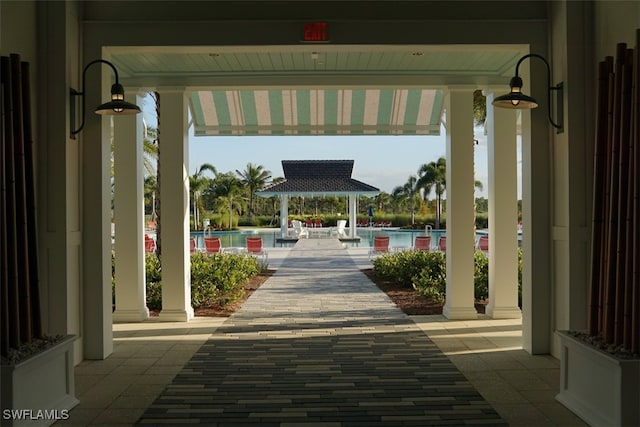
(309, 223)
(212, 245)
(442, 243)
(192, 245)
(380, 246)
(149, 244)
(317, 223)
(422, 243)
(483, 243)
(298, 230)
(254, 247)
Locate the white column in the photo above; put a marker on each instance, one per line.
(460, 205)
(352, 215)
(284, 215)
(174, 191)
(503, 213)
(95, 137)
(131, 301)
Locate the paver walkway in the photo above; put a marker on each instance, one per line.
(319, 344)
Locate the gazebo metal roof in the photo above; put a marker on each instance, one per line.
(318, 178)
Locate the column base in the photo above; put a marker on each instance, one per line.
(176, 315)
(503, 312)
(459, 313)
(127, 316)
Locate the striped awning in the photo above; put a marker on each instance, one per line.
(317, 112)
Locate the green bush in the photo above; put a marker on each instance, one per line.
(480, 275)
(215, 279)
(220, 278)
(431, 280)
(153, 271)
(426, 272)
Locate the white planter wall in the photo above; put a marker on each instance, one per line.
(599, 388)
(41, 388)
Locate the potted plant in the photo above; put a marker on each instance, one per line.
(37, 370)
(600, 368)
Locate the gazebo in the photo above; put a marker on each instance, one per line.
(318, 178)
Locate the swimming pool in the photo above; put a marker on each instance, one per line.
(398, 238)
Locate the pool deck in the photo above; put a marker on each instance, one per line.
(319, 344)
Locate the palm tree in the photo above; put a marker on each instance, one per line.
(433, 176)
(197, 183)
(408, 193)
(254, 177)
(275, 200)
(383, 199)
(228, 191)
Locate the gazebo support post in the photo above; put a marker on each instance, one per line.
(284, 215)
(352, 215)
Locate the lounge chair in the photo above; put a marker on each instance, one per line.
(483, 243)
(442, 243)
(212, 245)
(254, 247)
(422, 243)
(339, 230)
(380, 246)
(298, 230)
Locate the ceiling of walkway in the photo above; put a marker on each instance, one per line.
(317, 88)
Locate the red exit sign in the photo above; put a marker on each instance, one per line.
(315, 32)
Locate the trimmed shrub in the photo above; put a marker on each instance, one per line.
(215, 278)
(480, 276)
(426, 272)
(431, 280)
(153, 271)
(220, 278)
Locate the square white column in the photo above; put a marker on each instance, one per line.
(352, 215)
(174, 192)
(503, 212)
(131, 299)
(460, 205)
(94, 139)
(284, 215)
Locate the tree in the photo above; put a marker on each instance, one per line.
(383, 199)
(432, 177)
(408, 192)
(254, 177)
(479, 107)
(198, 182)
(228, 192)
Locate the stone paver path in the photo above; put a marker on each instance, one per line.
(319, 344)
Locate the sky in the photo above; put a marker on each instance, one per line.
(384, 162)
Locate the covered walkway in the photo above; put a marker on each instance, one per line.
(319, 343)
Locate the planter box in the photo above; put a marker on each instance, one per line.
(598, 387)
(39, 390)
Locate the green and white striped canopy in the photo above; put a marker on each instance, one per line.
(317, 112)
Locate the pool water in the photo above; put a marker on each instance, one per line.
(397, 238)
